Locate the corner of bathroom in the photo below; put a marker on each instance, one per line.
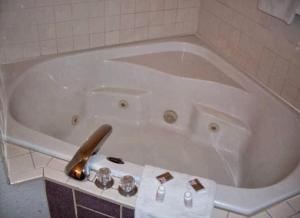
(149, 108)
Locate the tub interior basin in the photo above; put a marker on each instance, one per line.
(69, 98)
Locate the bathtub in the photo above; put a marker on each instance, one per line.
(228, 128)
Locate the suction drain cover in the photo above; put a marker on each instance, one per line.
(170, 116)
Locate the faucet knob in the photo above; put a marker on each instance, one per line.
(104, 179)
(127, 186)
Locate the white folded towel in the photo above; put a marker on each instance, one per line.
(282, 9)
(173, 204)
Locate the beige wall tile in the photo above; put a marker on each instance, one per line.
(156, 5)
(293, 76)
(141, 33)
(65, 44)
(81, 42)
(289, 92)
(295, 203)
(142, 5)
(42, 27)
(217, 213)
(14, 150)
(40, 160)
(156, 18)
(97, 25)
(127, 6)
(127, 21)
(97, 8)
(112, 38)
(170, 16)
(57, 164)
(112, 7)
(263, 214)
(63, 12)
(112, 23)
(80, 10)
(13, 52)
(81, 27)
(97, 40)
(171, 4)
(48, 47)
(188, 3)
(45, 15)
(31, 50)
(258, 31)
(64, 29)
(46, 31)
(266, 65)
(142, 19)
(127, 35)
(281, 210)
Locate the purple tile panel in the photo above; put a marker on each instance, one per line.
(85, 213)
(60, 201)
(127, 212)
(98, 204)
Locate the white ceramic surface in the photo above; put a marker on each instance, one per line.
(254, 157)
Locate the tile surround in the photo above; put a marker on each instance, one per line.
(236, 29)
(260, 45)
(54, 171)
(57, 26)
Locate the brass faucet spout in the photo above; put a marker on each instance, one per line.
(76, 168)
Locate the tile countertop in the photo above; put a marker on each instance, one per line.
(23, 165)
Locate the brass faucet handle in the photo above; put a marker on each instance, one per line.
(78, 171)
(77, 167)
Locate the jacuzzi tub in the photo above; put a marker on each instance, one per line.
(253, 154)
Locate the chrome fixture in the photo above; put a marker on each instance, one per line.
(104, 179)
(127, 186)
(77, 167)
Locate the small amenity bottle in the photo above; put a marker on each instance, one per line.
(188, 199)
(160, 194)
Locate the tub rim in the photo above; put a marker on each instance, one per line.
(230, 198)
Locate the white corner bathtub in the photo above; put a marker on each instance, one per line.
(253, 155)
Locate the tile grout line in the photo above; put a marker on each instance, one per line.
(121, 211)
(291, 206)
(268, 213)
(18, 155)
(75, 204)
(33, 163)
(51, 158)
(95, 211)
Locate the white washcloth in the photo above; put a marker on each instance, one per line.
(173, 204)
(282, 9)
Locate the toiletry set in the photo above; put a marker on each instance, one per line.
(127, 186)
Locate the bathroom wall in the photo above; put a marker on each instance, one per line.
(261, 45)
(31, 28)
